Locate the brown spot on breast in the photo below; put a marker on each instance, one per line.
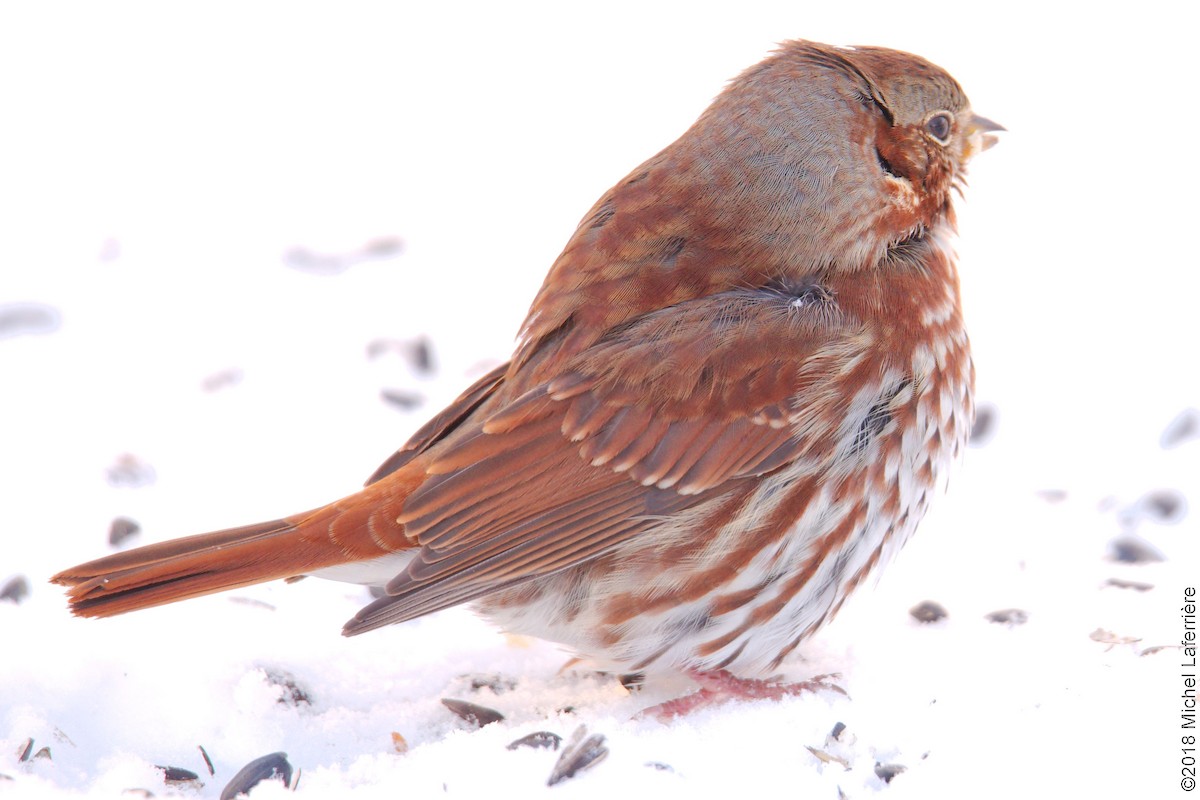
(734, 600)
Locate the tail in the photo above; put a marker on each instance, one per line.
(360, 527)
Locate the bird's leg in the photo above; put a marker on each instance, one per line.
(720, 686)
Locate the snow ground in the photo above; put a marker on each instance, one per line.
(189, 205)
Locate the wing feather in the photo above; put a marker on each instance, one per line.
(564, 471)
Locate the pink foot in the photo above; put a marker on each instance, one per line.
(722, 687)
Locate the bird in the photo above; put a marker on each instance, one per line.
(733, 398)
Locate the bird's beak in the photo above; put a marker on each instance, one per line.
(981, 134)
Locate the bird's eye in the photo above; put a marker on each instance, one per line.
(938, 126)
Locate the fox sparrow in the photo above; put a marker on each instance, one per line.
(734, 396)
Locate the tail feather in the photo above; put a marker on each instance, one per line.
(346, 531)
(184, 568)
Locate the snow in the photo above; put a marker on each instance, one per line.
(168, 175)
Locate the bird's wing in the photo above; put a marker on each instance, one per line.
(667, 412)
(450, 418)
